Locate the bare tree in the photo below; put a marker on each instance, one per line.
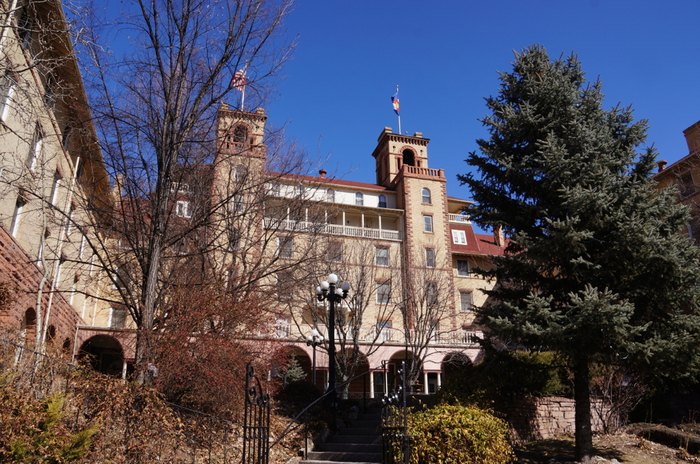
(427, 310)
(155, 110)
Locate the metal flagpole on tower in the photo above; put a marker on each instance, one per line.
(397, 107)
(239, 83)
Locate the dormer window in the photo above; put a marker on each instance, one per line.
(359, 199)
(182, 209)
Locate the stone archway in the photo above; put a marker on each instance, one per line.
(104, 354)
(413, 364)
(409, 157)
(356, 364)
(455, 367)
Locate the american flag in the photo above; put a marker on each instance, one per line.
(239, 80)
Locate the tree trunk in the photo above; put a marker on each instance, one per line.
(582, 397)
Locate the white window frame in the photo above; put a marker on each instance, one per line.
(426, 196)
(380, 259)
(359, 199)
(283, 327)
(285, 247)
(37, 145)
(460, 270)
(55, 189)
(430, 257)
(383, 290)
(182, 209)
(459, 237)
(384, 330)
(382, 201)
(330, 195)
(428, 223)
(466, 306)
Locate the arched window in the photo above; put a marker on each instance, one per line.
(240, 134)
(425, 194)
(382, 201)
(359, 199)
(409, 157)
(330, 196)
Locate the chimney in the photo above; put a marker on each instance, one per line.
(322, 173)
(662, 165)
(692, 137)
(498, 235)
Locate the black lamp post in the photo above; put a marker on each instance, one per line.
(313, 340)
(329, 290)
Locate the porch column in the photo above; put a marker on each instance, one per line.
(380, 226)
(425, 382)
(343, 221)
(363, 220)
(439, 380)
(124, 369)
(371, 384)
(306, 215)
(287, 213)
(386, 381)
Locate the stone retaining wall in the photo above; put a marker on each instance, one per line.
(550, 417)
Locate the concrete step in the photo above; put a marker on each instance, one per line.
(358, 431)
(358, 439)
(343, 457)
(350, 447)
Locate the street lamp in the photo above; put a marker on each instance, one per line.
(313, 340)
(329, 290)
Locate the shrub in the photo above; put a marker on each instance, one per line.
(458, 435)
(506, 377)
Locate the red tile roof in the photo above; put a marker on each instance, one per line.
(477, 244)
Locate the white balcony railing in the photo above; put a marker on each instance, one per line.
(458, 218)
(332, 229)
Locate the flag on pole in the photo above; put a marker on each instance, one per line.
(395, 101)
(239, 80)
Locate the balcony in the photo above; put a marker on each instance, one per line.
(461, 218)
(333, 229)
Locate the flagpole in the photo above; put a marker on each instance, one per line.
(243, 98)
(399, 117)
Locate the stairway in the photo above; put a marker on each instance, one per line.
(358, 442)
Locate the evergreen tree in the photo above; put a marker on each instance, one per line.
(596, 267)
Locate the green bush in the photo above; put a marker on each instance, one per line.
(449, 434)
(506, 377)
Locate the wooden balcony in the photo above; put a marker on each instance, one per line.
(333, 229)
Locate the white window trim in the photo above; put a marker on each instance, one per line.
(388, 299)
(376, 256)
(16, 218)
(6, 103)
(54, 191)
(459, 237)
(425, 224)
(428, 251)
(471, 301)
(182, 209)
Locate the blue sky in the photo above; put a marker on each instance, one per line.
(333, 96)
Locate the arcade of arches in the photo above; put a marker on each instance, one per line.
(378, 375)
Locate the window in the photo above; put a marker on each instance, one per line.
(239, 173)
(384, 331)
(8, 86)
(274, 189)
(65, 136)
(54, 190)
(686, 184)
(425, 196)
(409, 157)
(24, 28)
(118, 318)
(382, 201)
(462, 267)
(459, 237)
(234, 239)
(335, 251)
(81, 248)
(430, 257)
(465, 301)
(285, 246)
(437, 334)
(330, 196)
(427, 223)
(431, 294)
(381, 256)
(285, 286)
(240, 134)
(384, 293)
(182, 209)
(299, 190)
(35, 149)
(283, 328)
(237, 204)
(359, 199)
(17, 216)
